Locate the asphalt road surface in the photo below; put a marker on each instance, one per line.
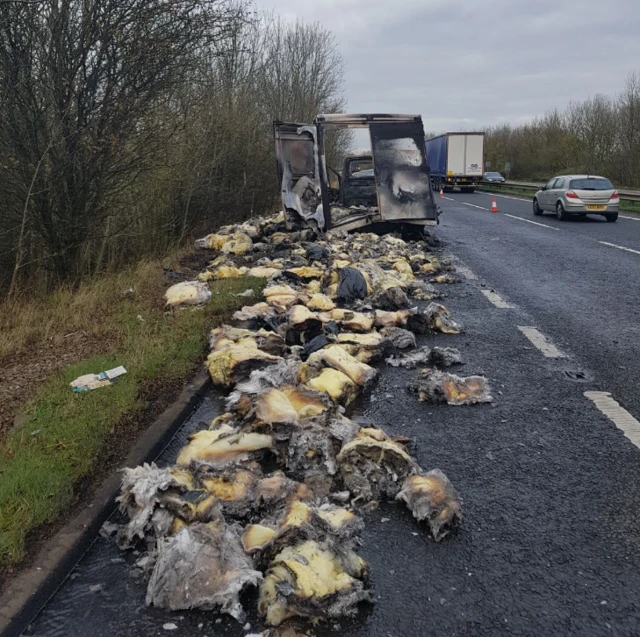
(550, 541)
(579, 279)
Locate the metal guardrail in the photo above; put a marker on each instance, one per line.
(625, 195)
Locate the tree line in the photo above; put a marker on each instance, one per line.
(600, 135)
(127, 127)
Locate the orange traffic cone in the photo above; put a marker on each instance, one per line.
(441, 193)
(494, 205)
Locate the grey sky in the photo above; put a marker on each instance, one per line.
(464, 65)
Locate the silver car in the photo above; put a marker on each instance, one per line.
(578, 195)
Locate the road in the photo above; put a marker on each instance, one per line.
(579, 279)
(550, 541)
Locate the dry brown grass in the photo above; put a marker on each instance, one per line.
(94, 307)
(41, 335)
(62, 436)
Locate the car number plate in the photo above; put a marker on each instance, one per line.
(596, 207)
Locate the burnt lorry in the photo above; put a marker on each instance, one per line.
(387, 190)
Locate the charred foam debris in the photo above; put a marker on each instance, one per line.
(268, 495)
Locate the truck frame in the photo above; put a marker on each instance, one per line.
(401, 175)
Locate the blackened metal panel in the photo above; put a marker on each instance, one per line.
(361, 120)
(402, 172)
(324, 179)
(298, 161)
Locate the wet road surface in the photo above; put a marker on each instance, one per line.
(580, 287)
(550, 540)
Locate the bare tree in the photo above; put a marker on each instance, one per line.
(267, 69)
(629, 130)
(129, 125)
(91, 81)
(598, 135)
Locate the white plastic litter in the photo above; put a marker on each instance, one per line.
(89, 382)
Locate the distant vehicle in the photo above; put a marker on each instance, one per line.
(568, 195)
(491, 178)
(456, 160)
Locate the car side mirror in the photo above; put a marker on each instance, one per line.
(544, 187)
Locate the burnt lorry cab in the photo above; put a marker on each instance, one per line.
(390, 186)
(356, 183)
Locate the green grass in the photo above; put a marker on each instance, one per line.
(625, 206)
(66, 434)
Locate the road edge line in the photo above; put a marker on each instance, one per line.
(26, 595)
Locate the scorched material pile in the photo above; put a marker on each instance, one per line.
(268, 495)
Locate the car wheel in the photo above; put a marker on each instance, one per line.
(612, 217)
(537, 210)
(560, 212)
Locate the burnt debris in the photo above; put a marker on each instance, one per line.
(267, 496)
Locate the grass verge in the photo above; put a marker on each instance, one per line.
(64, 436)
(625, 206)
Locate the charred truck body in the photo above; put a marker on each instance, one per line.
(387, 189)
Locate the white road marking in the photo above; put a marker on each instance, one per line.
(621, 417)
(632, 218)
(473, 205)
(497, 300)
(510, 197)
(535, 223)
(613, 245)
(448, 198)
(541, 342)
(468, 274)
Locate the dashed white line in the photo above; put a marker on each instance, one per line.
(473, 205)
(541, 342)
(510, 197)
(613, 245)
(468, 274)
(448, 198)
(497, 300)
(535, 223)
(620, 416)
(632, 218)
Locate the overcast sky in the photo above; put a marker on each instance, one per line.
(463, 65)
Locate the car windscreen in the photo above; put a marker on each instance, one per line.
(590, 184)
(363, 174)
(361, 168)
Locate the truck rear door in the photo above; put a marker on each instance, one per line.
(465, 154)
(455, 155)
(401, 172)
(299, 174)
(473, 155)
